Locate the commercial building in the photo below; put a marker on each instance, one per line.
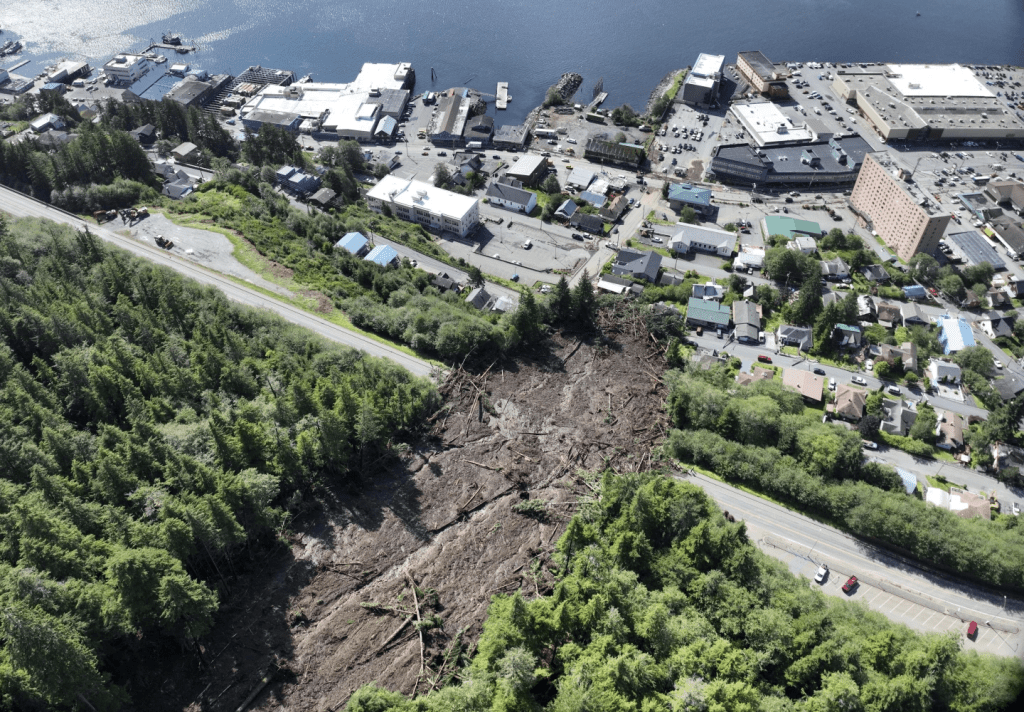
(422, 203)
(931, 102)
(698, 238)
(792, 228)
(529, 169)
(703, 82)
(761, 74)
(392, 101)
(835, 161)
(1000, 205)
(449, 123)
(905, 219)
(767, 125)
(972, 247)
(630, 155)
(194, 92)
(127, 68)
(478, 130)
(511, 196)
(684, 195)
(511, 137)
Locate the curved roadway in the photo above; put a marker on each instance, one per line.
(19, 205)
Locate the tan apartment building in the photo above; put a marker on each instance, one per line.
(761, 74)
(904, 218)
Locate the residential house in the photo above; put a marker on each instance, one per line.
(613, 284)
(831, 298)
(875, 273)
(898, 417)
(949, 431)
(942, 371)
(865, 307)
(1005, 455)
(954, 333)
(905, 354)
(747, 321)
(805, 383)
(353, 243)
(756, 374)
(185, 152)
(970, 300)
(850, 402)
(613, 211)
(383, 255)
(178, 188)
(511, 196)
(709, 292)
(667, 279)
(566, 210)
(710, 315)
(588, 223)
(444, 283)
(303, 183)
(889, 314)
(479, 298)
(998, 299)
(913, 314)
(995, 325)
(915, 291)
(1014, 287)
(684, 195)
(595, 199)
(46, 122)
(749, 257)
(699, 238)
(835, 269)
(1008, 386)
(323, 198)
(799, 336)
(145, 135)
(466, 163)
(637, 264)
(960, 502)
(804, 244)
(847, 336)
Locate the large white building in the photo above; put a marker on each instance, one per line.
(127, 68)
(702, 83)
(350, 110)
(927, 102)
(419, 202)
(767, 125)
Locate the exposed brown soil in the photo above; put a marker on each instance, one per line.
(441, 515)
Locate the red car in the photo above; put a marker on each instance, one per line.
(850, 584)
(972, 630)
(764, 359)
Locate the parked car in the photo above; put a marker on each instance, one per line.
(972, 630)
(819, 576)
(859, 381)
(850, 585)
(1016, 509)
(894, 390)
(831, 384)
(997, 363)
(764, 359)
(819, 371)
(869, 444)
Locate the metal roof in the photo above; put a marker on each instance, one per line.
(353, 242)
(954, 333)
(975, 248)
(712, 312)
(686, 193)
(382, 255)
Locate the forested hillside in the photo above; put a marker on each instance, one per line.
(149, 432)
(665, 606)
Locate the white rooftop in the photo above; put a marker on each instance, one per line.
(708, 64)
(936, 80)
(769, 125)
(526, 165)
(417, 194)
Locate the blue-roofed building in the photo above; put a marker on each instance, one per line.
(354, 243)
(384, 255)
(915, 291)
(284, 173)
(56, 87)
(566, 210)
(909, 480)
(954, 333)
(595, 199)
(684, 195)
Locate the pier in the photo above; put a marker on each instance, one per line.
(598, 100)
(501, 101)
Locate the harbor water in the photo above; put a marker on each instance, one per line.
(527, 43)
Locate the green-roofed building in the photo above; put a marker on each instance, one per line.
(790, 227)
(710, 315)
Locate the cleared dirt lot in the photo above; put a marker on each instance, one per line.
(444, 515)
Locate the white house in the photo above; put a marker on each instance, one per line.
(512, 197)
(698, 238)
(804, 243)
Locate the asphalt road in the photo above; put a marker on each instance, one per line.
(848, 555)
(19, 205)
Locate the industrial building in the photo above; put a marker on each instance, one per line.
(432, 207)
(972, 247)
(127, 68)
(1000, 205)
(932, 102)
(761, 74)
(529, 169)
(449, 122)
(835, 161)
(702, 84)
(340, 111)
(684, 195)
(624, 154)
(767, 125)
(905, 219)
(511, 137)
(194, 92)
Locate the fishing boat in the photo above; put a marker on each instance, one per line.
(170, 39)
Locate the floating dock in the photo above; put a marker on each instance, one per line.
(598, 100)
(501, 101)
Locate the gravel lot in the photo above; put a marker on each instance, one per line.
(210, 249)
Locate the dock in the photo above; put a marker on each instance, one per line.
(598, 100)
(501, 101)
(22, 63)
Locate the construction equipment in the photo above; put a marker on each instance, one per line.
(163, 243)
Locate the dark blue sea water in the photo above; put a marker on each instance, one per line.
(527, 43)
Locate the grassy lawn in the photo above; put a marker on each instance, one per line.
(636, 245)
(652, 218)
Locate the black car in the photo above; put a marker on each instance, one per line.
(819, 371)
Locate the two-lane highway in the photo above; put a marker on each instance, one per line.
(19, 205)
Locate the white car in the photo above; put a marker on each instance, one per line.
(821, 573)
(869, 444)
(859, 381)
(997, 363)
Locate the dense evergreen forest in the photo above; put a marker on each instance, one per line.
(665, 606)
(150, 432)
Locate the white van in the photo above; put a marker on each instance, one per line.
(894, 390)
